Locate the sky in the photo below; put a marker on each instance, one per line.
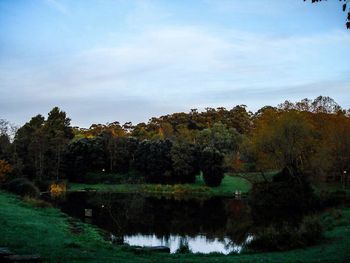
(122, 60)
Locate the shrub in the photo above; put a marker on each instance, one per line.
(310, 230)
(285, 237)
(23, 187)
(58, 190)
(37, 202)
(285, 198)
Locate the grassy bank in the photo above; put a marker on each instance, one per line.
(227, 188)
(57, 238)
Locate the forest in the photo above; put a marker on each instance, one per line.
(310, 137)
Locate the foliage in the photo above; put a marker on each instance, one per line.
(5, 169)
(219, 137)
(40, 144)
(83, 156)
(310, 136)
(288, 194)
(185, 165)
(287, 237)
(153, 161)
(57, 190)
(283, 140)
(23, 187)
(211, 164)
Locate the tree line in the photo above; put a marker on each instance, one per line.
(310, 136)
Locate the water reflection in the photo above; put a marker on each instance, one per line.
(197, 244)
(207, 225)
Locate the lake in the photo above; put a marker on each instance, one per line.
(204, 225)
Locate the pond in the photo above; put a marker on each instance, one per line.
(215, 224)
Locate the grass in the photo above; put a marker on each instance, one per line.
(227, 188)
(231, 182)
(26, 228)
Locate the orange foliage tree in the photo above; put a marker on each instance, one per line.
(5, 169)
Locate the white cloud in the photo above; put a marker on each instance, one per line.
(176, 67)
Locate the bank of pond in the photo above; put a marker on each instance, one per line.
(109, 226)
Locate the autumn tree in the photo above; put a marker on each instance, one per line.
(5, 170)
(283, 140)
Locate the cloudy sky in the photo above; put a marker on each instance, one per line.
(108, 60)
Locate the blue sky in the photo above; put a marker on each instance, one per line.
(108, 60)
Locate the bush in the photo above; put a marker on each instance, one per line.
(37, 202)
(286, 237)
(23, 187)
(286, 198)
(310, 230)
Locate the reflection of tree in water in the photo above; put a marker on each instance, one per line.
(183, 246)
(215, 218)
(239, 223)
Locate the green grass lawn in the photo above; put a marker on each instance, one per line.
(48, 232)
(227, 187)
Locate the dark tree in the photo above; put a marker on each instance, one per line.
(59, 132)
(185, 162)
(153, 161)
(83, 156)
(211, 165)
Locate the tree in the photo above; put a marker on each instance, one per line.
(58, 131)
(283, 140)
(153, 161)
(83, 156)
(226, 140)
(344, 7)
(125, 153)
(30, 145)
(211, 165)
(40, 144)
(184, 158)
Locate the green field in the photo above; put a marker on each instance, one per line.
(57, 238)
(227, 188)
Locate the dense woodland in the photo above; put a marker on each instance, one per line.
(311, 137)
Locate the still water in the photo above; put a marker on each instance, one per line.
(205, 225)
